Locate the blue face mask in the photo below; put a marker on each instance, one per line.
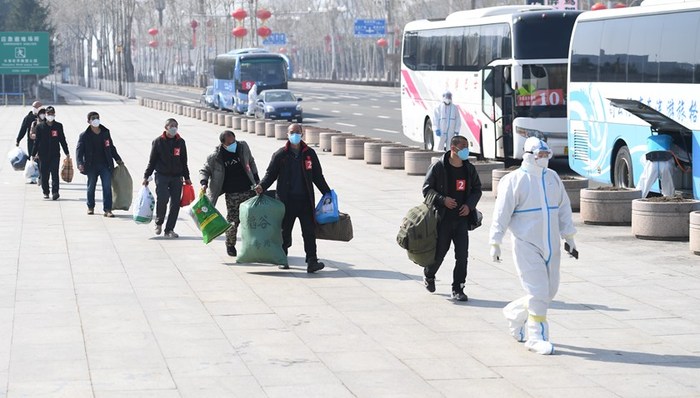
(294, 138)
(231, 148)
(463, 153)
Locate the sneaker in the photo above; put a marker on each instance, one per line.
(458, 295)
(55, 196)
(46, 196)
(171, 235)
(283, 266)
(314, 266)
(231, 250)
(109, 214)
(159, 229)
(429, 284)
(91, 211)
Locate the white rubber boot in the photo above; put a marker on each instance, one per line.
(516, 314)
(538, 336)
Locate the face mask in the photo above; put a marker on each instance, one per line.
(171, 132)
(35, 110)
(542, 162)
(447, 101)
(95, 122)
(50, 118)
(463, 153)
(42, 116)
(295, 138)
(232, 148)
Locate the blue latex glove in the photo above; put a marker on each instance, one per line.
(438, 132)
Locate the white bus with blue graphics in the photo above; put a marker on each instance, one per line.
(235, 73)
(634, 73)
(506, 69)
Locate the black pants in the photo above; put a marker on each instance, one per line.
(455, 230)
(49, 167)
(302, 210)
(168, 189)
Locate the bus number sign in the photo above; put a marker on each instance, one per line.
(542, 98)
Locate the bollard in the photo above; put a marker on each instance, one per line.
(393, 157)
(373, 151)
(236, 122)
(270, 129)
(338, 144)
(260, 127)
(281, 132)
(355, 147)
(251, 126)
(417, 161)
(222, 119)
(229, 121)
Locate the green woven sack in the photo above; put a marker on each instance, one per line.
(122, 188)
(261, 230)
(209, 221)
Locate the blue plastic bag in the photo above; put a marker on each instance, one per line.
(327, 209)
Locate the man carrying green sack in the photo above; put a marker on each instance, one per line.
(296, 169)
(230, 170)
(209, 221)
(261, 228)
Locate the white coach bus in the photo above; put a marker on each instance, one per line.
(506, 68)
(633, 73)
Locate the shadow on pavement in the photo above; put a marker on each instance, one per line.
(605, 355)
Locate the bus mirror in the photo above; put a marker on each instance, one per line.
(516, 76)
(298, 99)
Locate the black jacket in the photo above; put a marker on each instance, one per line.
(84, 151)
(48, 138)
(311, 170)
(168, 157)
(26, 124)
(436, 180)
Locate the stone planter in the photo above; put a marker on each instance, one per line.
(417, 161)
(496, 175)
(393, 157)
(373, 151)
(251, 126)
(222, 119)
(338, 144)
(311, 135)
(229, 121)
(236, 120)
(270, 129)
(260, 127)
(662, 218)
(573, 186)
(210, 117)
(324, 142)
(485, 169)
(355, 147)
(607, 205)
(281, 131)
(695, 232)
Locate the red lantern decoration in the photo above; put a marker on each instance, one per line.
(397, 43)
(194, 24)
(239, 31)
(239, 14)
(620, 5)
(382, 42)
(264, 31)
(153, 31)
(598, 6)
(153, 43)
(263, 14)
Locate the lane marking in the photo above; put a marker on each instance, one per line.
(316, 109)
(357, 114)
(386, 131)
(383, 117)
(309, 119)
(346, 125)
(334, 111)
(397, 109)
(375, 106)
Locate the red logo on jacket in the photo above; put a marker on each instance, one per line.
(106, 143)
(460, 185)
(307, 163)
(176, 152)
(54, 133)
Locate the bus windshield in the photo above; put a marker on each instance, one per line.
(542, 92)
(543, 37)
(269, 71)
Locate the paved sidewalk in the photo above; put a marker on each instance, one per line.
(96, 307)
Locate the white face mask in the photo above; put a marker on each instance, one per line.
(447, 101)
(171, 132)
(95, 122)
(35, 110)
(42, 116)
(542, 162)
(50, 118)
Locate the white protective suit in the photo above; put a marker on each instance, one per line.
(658, 169)
(252, 100)
(532, 203)
(446, 121)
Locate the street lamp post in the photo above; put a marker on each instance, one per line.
(160, 6)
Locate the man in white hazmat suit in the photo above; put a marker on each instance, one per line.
(533, 204)
(252, 99)
(658, 165)
(447, 121)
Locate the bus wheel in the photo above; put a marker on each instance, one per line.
(428, 140)
(622, 173)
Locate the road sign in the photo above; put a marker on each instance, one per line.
(370, 27)
(24, 53)
(275, 39)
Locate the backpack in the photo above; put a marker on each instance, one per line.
(418, 232)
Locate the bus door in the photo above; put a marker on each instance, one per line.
(497, 108)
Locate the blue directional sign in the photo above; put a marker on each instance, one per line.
(275, 39)
(370, 27)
